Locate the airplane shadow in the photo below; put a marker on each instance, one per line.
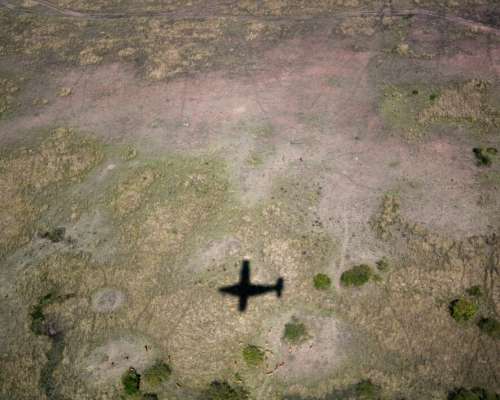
(244, 289)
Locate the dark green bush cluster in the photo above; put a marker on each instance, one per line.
(366, 390)
(484, 156)
(131, 381)
(356, 276)
(463, 309)
(322, 281)
(253, 355)
(490, 326)
(224, 391)
(37, 313)
(295, 331)
(473, 394)
(158, 373)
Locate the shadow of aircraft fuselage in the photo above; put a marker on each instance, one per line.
(244, 289)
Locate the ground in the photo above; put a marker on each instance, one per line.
(148, 147)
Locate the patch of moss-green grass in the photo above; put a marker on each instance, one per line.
(158, 373)
(253, 355)
(366, 390)
(490, 326)
(295, 332)
(131, 381)
(221, 390)
(462, 309)
(322, 281)
(356, 276)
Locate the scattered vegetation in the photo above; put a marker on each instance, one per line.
(366, 390)
(356, 276)
(322, 281)
(295, 331)
(472, 394)
(253, 355)
(8, 88)
(490, 326)
(131, 381)
(38, 326)
(158, 373)
(462, 309)
(224, 391)
(484, 156)
(388, 216)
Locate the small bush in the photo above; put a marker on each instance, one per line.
(295, 331)
(158, 373)
(472, 394)
(383, 264)
(484, 156)
(462, 310)
(253, 355)
(475, 291)
(54, 235)
(224, 391)
(131, 381)
(490, 326)
(149, 396)
(356, 276)
(366, 390)
(322, 281)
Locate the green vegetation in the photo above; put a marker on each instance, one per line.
(383, 264)
(322, 281)
(149, 396)
(472, 394)
(462, 310)
(37, 313)
(54, 235)
(474, 291)
(490, 326)
(356, 276)
(366, 390)
(253, 355)
(295, 331)
(131, 381)
(224, 391)
(158, 373)
(484, 156)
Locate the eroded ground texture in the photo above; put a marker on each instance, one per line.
(148, 147)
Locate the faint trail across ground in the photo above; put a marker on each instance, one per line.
(212, 12)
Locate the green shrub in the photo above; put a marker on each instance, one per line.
(484, 156)
(224, 391)
(131, 381)
(159, 372)
(383, 264)
(322, 281)
(462, 310)
(475, 291)
(149, 396)
(366, 390)
(295, 331)
(253, 355)
(55, 235)
(490, 326)
(356, 276)
(472, 394)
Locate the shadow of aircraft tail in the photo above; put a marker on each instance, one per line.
(279, 287)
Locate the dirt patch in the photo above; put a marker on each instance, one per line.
(107, 300)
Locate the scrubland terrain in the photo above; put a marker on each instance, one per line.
(347, 146)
